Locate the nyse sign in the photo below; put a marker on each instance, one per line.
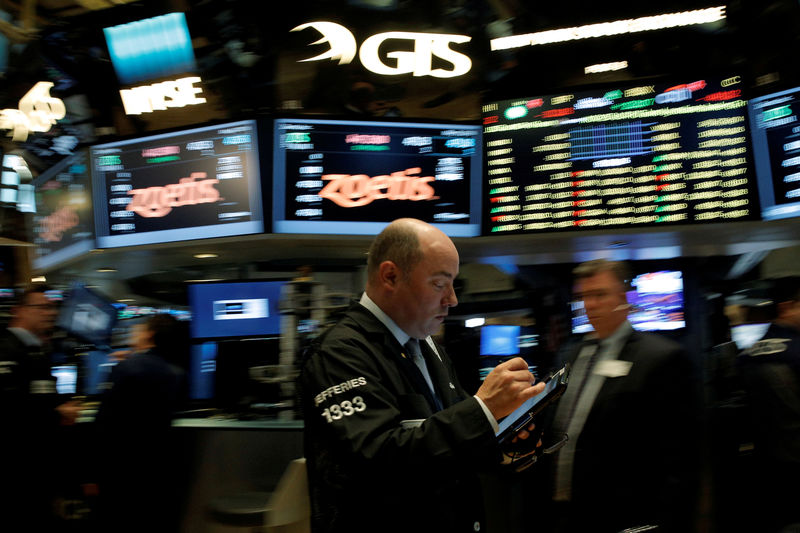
(418, 61)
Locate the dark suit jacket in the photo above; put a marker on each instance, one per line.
(370, 467)
(636, 457)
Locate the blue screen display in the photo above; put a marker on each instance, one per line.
(500, 340)
(235, 309)
(203, 371)
(88, 316)
(150, 48)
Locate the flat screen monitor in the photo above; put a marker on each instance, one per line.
(775, 134)
(88, 315)
(656, 303)
(648, 154)
(63, 224)
(354, 177)
(235, 309)
(66, 378)
(500, 340)
(193, 184)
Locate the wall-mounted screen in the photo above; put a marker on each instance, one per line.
(63, 225)
(632, 155)
(499, 340)
(88, 315)
(775, 134)
(354, 177)
(235, 309)
(656, 303)
(192, 184)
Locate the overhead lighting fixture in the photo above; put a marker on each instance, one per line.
(106, 269)
(607, 29)
(126, 300)
(39, 279)
(474, 322)
(202, 280)
(605, 67)
(205, 256)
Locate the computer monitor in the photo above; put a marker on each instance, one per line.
(355, 176)
(191, 184)
(88, 315)
(63, 225)
(656, 303)
(66, 378)
(235, 309)
(775, 135)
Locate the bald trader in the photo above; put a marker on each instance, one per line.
(388, 447)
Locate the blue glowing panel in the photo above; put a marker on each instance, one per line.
(150, 48)
(235, 309)
(500, 340)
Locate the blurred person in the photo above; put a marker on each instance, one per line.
(770, 375)
(137, 474)
(393, 442)
(630, 415)
(31, 412)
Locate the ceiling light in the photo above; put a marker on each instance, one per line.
(605, 67)
(605, 29)
(205, 256)
(39, 279)
(106, 269)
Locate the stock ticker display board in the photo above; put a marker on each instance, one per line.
(643, 155)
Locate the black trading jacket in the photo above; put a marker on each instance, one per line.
(379, 457)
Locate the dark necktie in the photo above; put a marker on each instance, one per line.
(414, 349)
(575, 396)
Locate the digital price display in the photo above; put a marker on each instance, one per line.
(354, 177)
(629, 156)
(63, 226)
(775, 134)
(193, 184)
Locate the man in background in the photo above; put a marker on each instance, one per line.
(630, 413)
(770, 374)
(31, 412)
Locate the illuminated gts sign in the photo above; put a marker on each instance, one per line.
(358, 190)
(151, 48)
(425, 46)
(38, 111)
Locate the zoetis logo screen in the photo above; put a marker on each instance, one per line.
(188, 185)
(363, 174)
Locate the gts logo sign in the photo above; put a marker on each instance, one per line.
(417, 61)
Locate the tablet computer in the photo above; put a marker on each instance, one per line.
(522, 417)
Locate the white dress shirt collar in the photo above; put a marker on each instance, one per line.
(401, 336)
